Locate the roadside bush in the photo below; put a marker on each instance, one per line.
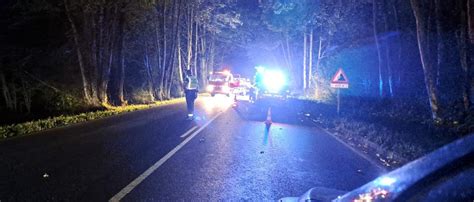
(66, 102)
(55, 103)
(31, 127)
(142, 97)
(393, 131)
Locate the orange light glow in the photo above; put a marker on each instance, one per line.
(373, 195)
(226, 72)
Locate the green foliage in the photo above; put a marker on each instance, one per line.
(141, 96)
(61, 102)
(286, 16)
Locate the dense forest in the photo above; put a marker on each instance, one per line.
(65, 56)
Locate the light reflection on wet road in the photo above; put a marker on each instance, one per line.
(236, 157)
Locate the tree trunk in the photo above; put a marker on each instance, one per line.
(14, 97)
(98, 69)
(94, 53)
(164, 54)
(172, 59)
(463, 44)
(204, 70)
(6, 91)
(288, 49)
(196, 39)
(285, 55)
(377, 45)
(109, 42)
(121, 62)
(149, 74)
(156, 70)
(85, 83)
(470, 18)
(318, 62)
(397, 63)
(180, 63)
(388, 58)
(304, 60)
(121, 82)
(422, 35)
(310, 63)
(212, 54)
(440, 43)
(190, 38)
(26, 92)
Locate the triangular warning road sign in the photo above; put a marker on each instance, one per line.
(340, 77)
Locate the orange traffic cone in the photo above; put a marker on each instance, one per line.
(268, 122)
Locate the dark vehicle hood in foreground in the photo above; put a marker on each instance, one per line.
(398, 184)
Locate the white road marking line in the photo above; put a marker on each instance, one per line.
(189, 132)
(119, 196)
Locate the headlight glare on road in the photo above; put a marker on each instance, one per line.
(210, 88)
(274, 80)
(225, 88)
(218, 103)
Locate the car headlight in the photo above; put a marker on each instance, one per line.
(225, 88)
(210, 88)
(274, 81)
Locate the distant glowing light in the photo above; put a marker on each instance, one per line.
(225, 88)
(386, 181)
(364, 198)
(260, 69)
(210, 88)
(226, 72)
(218, 103)
(373, 195)
(274, 80)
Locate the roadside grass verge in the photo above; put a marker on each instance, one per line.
(393, 132)
(31, 127)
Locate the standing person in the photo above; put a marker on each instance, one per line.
(191, 88)
(257, 84)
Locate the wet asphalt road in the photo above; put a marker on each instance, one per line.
(234, 157)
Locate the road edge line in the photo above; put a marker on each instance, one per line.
(127, 189)
(359, 153)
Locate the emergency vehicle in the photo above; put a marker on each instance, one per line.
(269, 83)
(240, 85)
(220, 82)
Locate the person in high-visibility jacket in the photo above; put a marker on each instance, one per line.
(191, 89)
(257, 84)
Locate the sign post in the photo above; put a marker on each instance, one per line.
(338, 100)
(338, 81)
